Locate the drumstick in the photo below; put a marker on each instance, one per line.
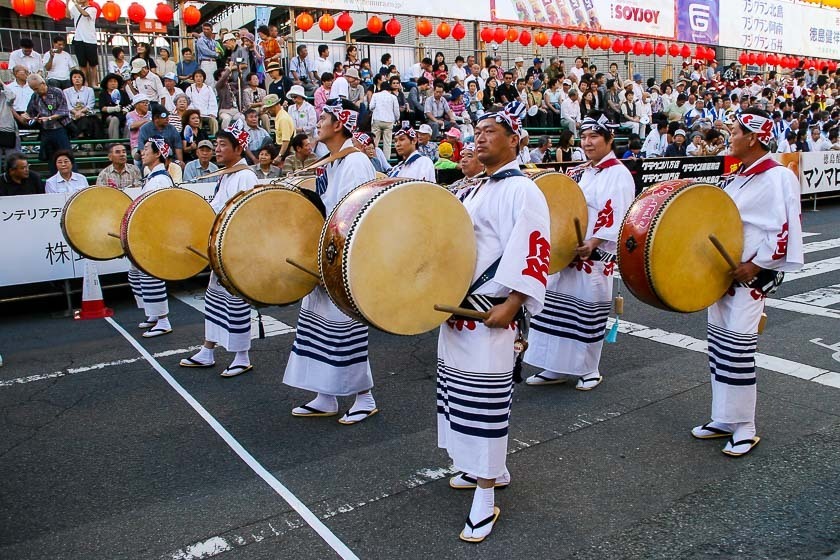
(114, 235)
(579, 232)
(192, 249)
(471, 313)
(722, 250)
(303, 268)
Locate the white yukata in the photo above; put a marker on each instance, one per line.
(415, 166)
(568, 336)
(330, 351)
(767, 196)
(475, 363)
(227, 318)
(149, 292)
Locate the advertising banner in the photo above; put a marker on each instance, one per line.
(698, 21)
(819, 172)
(474, 10)
(648, 172)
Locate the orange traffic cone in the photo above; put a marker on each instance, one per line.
(93, 307)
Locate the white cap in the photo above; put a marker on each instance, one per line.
(518, 59)
(424, 129)
(679, 131)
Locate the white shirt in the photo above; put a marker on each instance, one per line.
(577, 72)
(385, 107)
(22, 93)
(652, 147)
(157, 182)
(475, 79)
(203, 100)
(609, 193)
(166, 99)
(150, 86)
(570, 110)
(323, 65)
(82, 97)
(340, 88)
(537, 155)
(31, 62)
(231, 184)
(345, 175)
(303, 117)
(784, 147)
(61, 65)
(57, 184)
(85, 26)
(459, 74)
(821, 145)
(524, 156)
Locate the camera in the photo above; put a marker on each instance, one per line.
(239, 60)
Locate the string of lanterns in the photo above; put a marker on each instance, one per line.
(760, 59)
(111, 11)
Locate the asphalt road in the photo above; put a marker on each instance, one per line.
(101, 458)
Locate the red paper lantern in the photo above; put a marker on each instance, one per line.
(111, 12)
(772, 59)
(710, 54)
(742, 58)
(4, 65)
(525, 38)
(648, 48)
(486, 35)
(580, 41)
(164, 13)
(512, 35)
(618, 46)
(606, 42)
(660, 49)
(344, 22)
(499, 35)
(424, 27)
(751, 58)
(685, 51)
(375, 25)
(303, 21)
(541, 38)
(832, 66)
(56, 9)
(443, 30)
(459, 31)
(326, 23)
(594, 42)
(569, 40)
(626, 45)
(761, 59)
(137, 13)
(24, 7)
(556, 40)
(700, 52)
(638, 48)
(674, 49)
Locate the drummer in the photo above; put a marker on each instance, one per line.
(330, 353)
(567, 338)
(414, 165)
(767, 196)
(476, 362)
(150, 293)
(227, 318)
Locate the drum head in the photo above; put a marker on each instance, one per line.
(565, 203)
(89, 216)
(686, 271)
(255, 234)
(413, 247)
(158, 228)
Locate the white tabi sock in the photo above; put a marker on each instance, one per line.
(364, 401)
(324, 403)
(163, 324)
(743, 430)
(482, 508)
(205, 355)
(241, 359)
(551, 374)
(152, 319)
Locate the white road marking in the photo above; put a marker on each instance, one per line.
(329, 537)
(821, 297)
(814, 268)
(821, 245)
(203, 549)
(272, 326)
(81, 369)
(808, 234)
(804, 308)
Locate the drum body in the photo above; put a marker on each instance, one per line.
(565, 203)
(664, 253)
(393, 248)
(158, 227)
(255, 233)
(89, 216)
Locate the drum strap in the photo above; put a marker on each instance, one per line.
(327, 160)
(220, 173)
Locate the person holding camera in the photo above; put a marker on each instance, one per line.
(57, 64)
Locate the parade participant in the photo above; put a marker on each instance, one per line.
(149, 292)
(567, 338)
(227, 318)
(330, 352)
(476, 362)
(414, 165)
(767, 196)
(469, 165)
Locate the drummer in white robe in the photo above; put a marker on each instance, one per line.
(414, 165)
(767, 196)
(567, 338)
(330, 352)
(227, 318)
(477, 361)
(149, 292)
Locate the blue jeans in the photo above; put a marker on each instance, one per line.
(53, 140)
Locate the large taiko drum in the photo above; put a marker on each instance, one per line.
(664, 253)
(255, 233)
(565, 203)
(162, 231)
(394, 248)
(90, 219)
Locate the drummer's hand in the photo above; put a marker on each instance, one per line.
(584, 251)
(502, 315)
(746, 272)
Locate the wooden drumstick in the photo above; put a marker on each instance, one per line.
(303, 268)
(114, 235)
(471, 313)
(722, 250)
(579, 232)
(192, 249)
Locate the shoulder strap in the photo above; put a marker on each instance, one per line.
(221, 172)
(327, 160)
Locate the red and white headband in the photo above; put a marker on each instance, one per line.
(762, 127)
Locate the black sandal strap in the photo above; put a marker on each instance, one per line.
(750, 441)
(468, 478)
(365, 412)
(713, 429)
(308, 408)
(481, 523)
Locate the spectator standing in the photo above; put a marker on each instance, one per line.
(119, 174)
(164, 64)
(48, 107)
(300, 155)
(120, 66)
(57, 63)
(203, 99)
(302, 112)
(9, 137)
(84, 39)
(26, 56)
(113, 104)
(228, 95)
(385, 113)
(269, 44)
(438, 114)
(201, 166)
(205, 48)
(264, 168)
(323, 64)
(65, 180)
(351, 58)
(18, 179)
(134, 120)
